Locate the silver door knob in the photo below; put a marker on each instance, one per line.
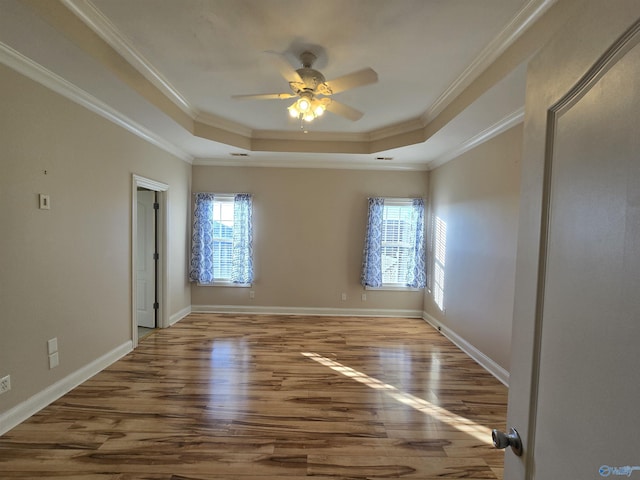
(502, 440)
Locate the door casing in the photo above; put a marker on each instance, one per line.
(162, 190)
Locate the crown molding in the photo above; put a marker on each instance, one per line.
(43, 76)
(218, 129)
(494, 130)
(341, 164)
(36, 72)
(102, 26)
(531, 12)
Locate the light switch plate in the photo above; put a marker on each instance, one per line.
(45, 202)
(52, 345)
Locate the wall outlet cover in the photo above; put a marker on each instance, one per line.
(54, 360)
(5, 384)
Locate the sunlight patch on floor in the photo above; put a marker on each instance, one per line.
(463, 424)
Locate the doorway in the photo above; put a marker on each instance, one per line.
(147, 261)
(148, 256)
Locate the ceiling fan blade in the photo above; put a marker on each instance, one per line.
(284, 67)
(264, 96)
(344, 110)
(352, 80)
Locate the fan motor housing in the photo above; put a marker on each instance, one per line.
(311, 78)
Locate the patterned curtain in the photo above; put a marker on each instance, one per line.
(417, 276)
(242, 269)
(201, 267)
(371, 256)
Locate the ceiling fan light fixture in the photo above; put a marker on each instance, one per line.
(293, 111)
(304, 105)
(307, 108)
(312, 91)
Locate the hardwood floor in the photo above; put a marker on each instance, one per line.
(221, 397)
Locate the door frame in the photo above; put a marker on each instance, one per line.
(162, 190)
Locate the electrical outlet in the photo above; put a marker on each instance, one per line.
(5, 384)
(344, 297)
(364, 297)
(252, 294)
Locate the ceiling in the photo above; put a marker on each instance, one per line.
(167, 70)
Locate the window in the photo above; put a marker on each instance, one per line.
(394, 255)
(222, 241)
(221, 247)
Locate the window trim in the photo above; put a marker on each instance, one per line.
(396, 287)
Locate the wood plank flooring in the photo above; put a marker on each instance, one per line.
(221, 397)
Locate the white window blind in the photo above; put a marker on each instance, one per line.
(398, 234)
(222, 237)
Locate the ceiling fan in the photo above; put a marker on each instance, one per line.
(313, 92)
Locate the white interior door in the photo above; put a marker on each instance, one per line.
(584, 420)
(145, 264)
(589, 380)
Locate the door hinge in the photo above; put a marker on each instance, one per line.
(156, 206)
(156, 256)
(156, 306)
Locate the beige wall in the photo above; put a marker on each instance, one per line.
(477, 196)
(65, 272)
(309, 232)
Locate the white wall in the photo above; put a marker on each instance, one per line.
(66, 272)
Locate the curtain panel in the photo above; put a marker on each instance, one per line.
(372, 254)
(242, 269)
(201, 266)
(417, 272)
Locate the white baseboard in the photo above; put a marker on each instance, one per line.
(485, 362)
(34, 404)
(176, 317)
(331, 312)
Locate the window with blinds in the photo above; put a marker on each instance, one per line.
(222, 237)
(398, 238)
